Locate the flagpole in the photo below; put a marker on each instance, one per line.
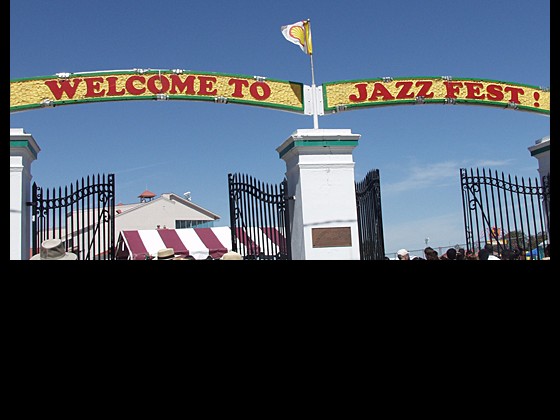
(315, 115)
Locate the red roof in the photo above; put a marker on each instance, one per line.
(147, 194)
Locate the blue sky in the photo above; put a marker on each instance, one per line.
(179, 146)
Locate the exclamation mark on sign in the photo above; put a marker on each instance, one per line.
(536, 95)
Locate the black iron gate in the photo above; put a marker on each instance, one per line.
(83, 217)
(509, 214)
(255, 207)
(370, 222)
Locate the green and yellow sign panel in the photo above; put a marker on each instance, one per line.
(74, 88)
(355, 94)
(136, 84)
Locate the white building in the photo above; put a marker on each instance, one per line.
(166, 211)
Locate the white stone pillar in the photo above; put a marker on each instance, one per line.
(541, 151)
(320, 175)
(23, 151)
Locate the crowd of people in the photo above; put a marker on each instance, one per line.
(169, 254)
(488, 252)
(53, 249)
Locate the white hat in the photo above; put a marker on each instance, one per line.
(165, 254)
(402, 252)
(231, 255)
(53, 249)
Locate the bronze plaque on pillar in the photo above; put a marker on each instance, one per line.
(327, 237)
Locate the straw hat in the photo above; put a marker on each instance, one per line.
(231, 255)
(166, 254)
(53, 249)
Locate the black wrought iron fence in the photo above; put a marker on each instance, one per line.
(370, 221)
(259, 218)
(512, 214)
(81, 215)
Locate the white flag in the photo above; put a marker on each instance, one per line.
(299, 33)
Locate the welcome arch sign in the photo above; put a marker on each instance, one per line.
(332, 97)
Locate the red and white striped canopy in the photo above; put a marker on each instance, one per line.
(197, 242)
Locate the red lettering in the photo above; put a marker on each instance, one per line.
(206, 83)
(473, 90)
(515, 92)
(130, 85)
(188, 84)
(424, 89)
(94, 87)
(403, 93)
(452, 89)
(65, 87)
(112, 91)
(380, 90)
(164, 84)
(238, 87)
(254, 90)
(362, 91)
(494, 93)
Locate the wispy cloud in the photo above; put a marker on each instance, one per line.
(493, 163)
(438, 174)
(507, 167)
(138, 168)
(426, 176)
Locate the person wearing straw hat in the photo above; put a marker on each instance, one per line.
(166, 254)
(169, 254)
(232, 255)
(53, 249)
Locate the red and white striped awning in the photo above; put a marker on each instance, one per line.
(197, 242)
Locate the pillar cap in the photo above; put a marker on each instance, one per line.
(324, 134)
(22, 141)
(541, 145)
(343, 138)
